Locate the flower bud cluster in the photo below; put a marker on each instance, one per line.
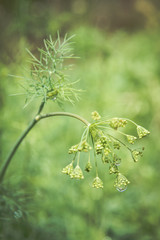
(88, 167)
(73, 172)
(136, 155)
(96, 116)
(121, 182)
(68, 169)
(97, 183)
(116, 144)
(77, 173)
(113, 168)
(116, 160)
(81, 147)
(117, 122)
(98, 146)
(101, 142)
(131, 139)
(105, 145)
(142, 132)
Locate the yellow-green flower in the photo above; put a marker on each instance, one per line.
(97, 183)
(77, 173)
(98, 146)
(73, 149)
(96, 116)
(136, 155)
(113, 169)
(68, 169)
(117, 122)
(131, 139)
(121, 182)
(88, 167)
(84, 146)
(142, 132)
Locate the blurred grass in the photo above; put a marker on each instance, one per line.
(120, 73)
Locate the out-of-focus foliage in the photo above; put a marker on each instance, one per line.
(120, 72)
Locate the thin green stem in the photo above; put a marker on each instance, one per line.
(114, 130)
(120, 142)
(78, 158)
(95, 158)
(67, 114)
(14, 149)
(41, 107)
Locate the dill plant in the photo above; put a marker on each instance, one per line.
(48, 81)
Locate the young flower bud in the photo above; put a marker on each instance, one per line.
(96, 116)
(113, 169)
(121, 182)
(68, 169)
(84, 146)
(117, 122)
(142, 132)
(105, 159)
(52, 94)
(107, 150)
(98, 146)
(88, 167)
(116, 160)
(97, 183)
(136, 155)
(116, 145)
(73, 149)
(77, 173)
(131, 139)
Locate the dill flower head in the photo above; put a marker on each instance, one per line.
(136, 155)
(117, 122)
(68, 169)
(142, 132)
(97, 183)
(88, 167)
(96, 116)
(131, 139)
(121, 182)
(77, 173)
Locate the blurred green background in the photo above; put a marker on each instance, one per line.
(119, 67)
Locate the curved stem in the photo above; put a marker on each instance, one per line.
(28, 129)
(67, 114)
